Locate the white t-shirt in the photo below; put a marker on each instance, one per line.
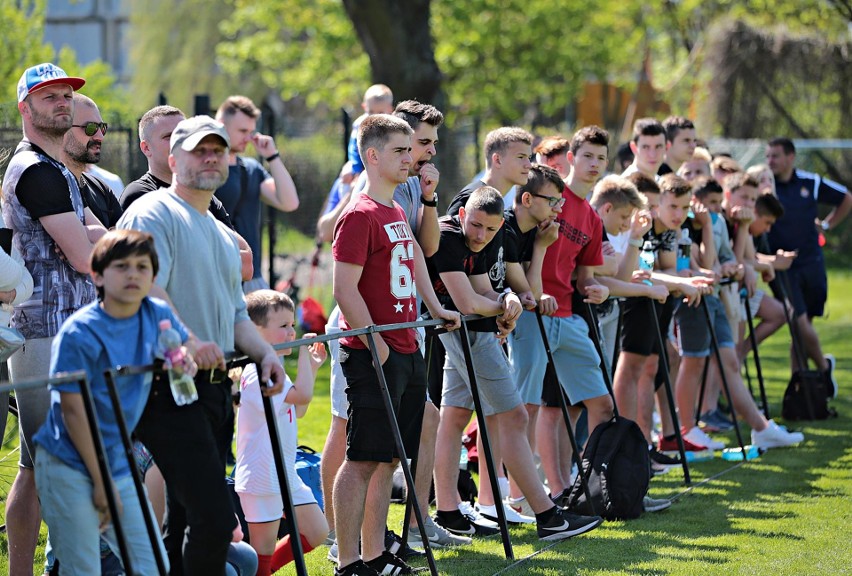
(255, 470)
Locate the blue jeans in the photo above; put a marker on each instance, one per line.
(66, 504)
(242, 560)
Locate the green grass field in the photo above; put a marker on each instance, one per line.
(789, 512)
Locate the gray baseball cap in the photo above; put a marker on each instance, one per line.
(189, 132)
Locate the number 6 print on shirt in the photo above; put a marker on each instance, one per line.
(402, 256)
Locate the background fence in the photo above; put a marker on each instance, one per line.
(314, 151)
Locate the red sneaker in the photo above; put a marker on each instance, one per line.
(669, 444)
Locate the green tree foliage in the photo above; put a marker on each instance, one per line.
(305, 50)
(173, 51)
(23, 45)
(502, 60)
(101, 86)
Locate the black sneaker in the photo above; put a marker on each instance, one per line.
(357, 568)
(564, 524)
(395, 545)
(463, 525)
(392, 565)
(663, 459)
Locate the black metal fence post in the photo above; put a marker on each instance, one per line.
(486, 444)
(147, 514)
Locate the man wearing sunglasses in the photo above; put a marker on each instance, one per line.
(54, 231)
(81, 147)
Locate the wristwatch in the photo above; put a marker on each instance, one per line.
(433, 203)
(502, 297)
(824, 225)
(636, 243)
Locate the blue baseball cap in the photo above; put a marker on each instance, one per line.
(37, 77)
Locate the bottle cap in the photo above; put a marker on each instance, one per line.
(165, 324)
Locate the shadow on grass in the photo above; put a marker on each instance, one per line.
(698, 526)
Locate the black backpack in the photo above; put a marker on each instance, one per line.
(618, 470)
(806, 397)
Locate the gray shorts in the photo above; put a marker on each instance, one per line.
(31, 361)
(576, 361)
(493, 374)
(753, 303)
(337, 384)
(693, 332)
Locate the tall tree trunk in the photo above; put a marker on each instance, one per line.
(398, 39)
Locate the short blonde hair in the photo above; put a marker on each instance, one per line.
(377, 94)
(702, 153)
(617, 191)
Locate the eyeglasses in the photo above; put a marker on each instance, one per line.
(552, 201)
(91, 128)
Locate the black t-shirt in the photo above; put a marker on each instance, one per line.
(524, 241)
(98, 196)
(149, 183)
(665, 241)
(501, 249)
(43, 190)
(453, 255)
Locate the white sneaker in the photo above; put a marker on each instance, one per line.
(512, 517)
(474, 516)
(519, 505)
(438, 537)
(697, 436)
(773, 436)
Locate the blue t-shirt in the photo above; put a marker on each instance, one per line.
(795, 230)
(244, 205)
(335, 195)
(94, 341)
(352, 150)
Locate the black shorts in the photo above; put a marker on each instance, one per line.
(369, 436)
(808, 287)
(638, 333)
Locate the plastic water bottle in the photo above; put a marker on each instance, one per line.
(169, 349)
(736, 454)
(463, 459)
(646, 259)
(684, 250)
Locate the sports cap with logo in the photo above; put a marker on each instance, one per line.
(37, 77)
(189, 132)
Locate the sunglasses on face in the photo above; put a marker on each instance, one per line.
(91, 128)
(552, 201)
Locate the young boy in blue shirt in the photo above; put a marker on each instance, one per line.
(121, 328)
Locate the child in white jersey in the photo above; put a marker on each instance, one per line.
(256, 480)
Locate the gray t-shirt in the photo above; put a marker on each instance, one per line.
(407, 195)
(199, 264)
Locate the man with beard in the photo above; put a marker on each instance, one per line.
(197, 250)
(248, 183)
(81, 148)
(55, 232)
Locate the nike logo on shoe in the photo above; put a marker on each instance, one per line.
(565, 526)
